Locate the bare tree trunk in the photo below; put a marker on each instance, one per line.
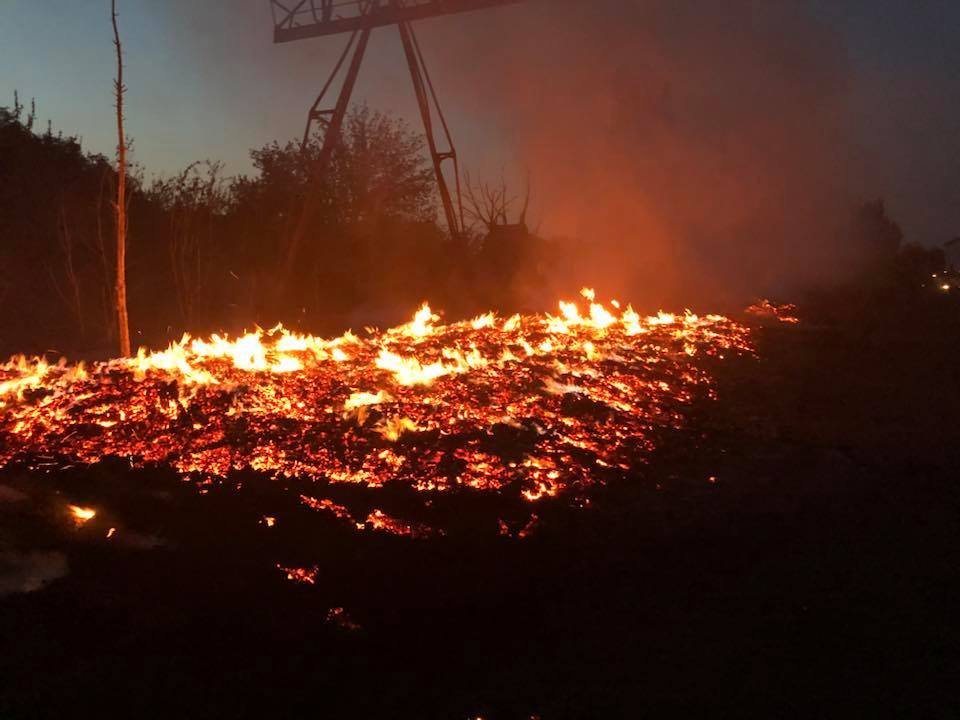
(123, 322)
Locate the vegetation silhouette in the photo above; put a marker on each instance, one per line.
(205, 251)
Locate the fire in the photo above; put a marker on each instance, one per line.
(81, 515)
(304, 576)
(532, 405)
(379, 520)
(338, 617)
(781, 313)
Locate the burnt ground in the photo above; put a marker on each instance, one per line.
(816, 577)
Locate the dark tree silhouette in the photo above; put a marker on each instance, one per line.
(876, 237)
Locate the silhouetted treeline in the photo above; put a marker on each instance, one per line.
(206, 251)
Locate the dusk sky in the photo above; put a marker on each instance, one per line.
(205, 81)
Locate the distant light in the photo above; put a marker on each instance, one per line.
(945, 286)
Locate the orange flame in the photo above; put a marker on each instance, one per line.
(584, 391)
(81, 515)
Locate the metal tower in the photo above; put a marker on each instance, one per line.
(301, 19)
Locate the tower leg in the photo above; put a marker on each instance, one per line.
(313, 201)
(414, 61)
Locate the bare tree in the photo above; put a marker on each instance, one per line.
(123, 322)
(489, 205)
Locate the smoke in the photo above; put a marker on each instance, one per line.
(11, 495)
(22, 572)
(29, 571)
(699, 149)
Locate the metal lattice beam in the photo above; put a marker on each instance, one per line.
(301, 19)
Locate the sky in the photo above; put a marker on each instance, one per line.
(205, 81)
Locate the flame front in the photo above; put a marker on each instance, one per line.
(541, 404)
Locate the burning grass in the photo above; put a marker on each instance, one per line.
(532, 406)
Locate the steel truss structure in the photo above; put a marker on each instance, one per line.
(302, 19)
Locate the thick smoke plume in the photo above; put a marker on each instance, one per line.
(698, 149)
(695, 152)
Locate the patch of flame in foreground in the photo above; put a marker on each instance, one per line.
(81, 515)
(535, 405)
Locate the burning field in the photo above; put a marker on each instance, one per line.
(469, 519)
(526, 407)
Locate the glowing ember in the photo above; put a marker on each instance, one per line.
(535, 405)
(338, 616)
(338, 511)
(525, 531)
(379, 520)
(782, 313)
(305, 576)
(81, 515)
